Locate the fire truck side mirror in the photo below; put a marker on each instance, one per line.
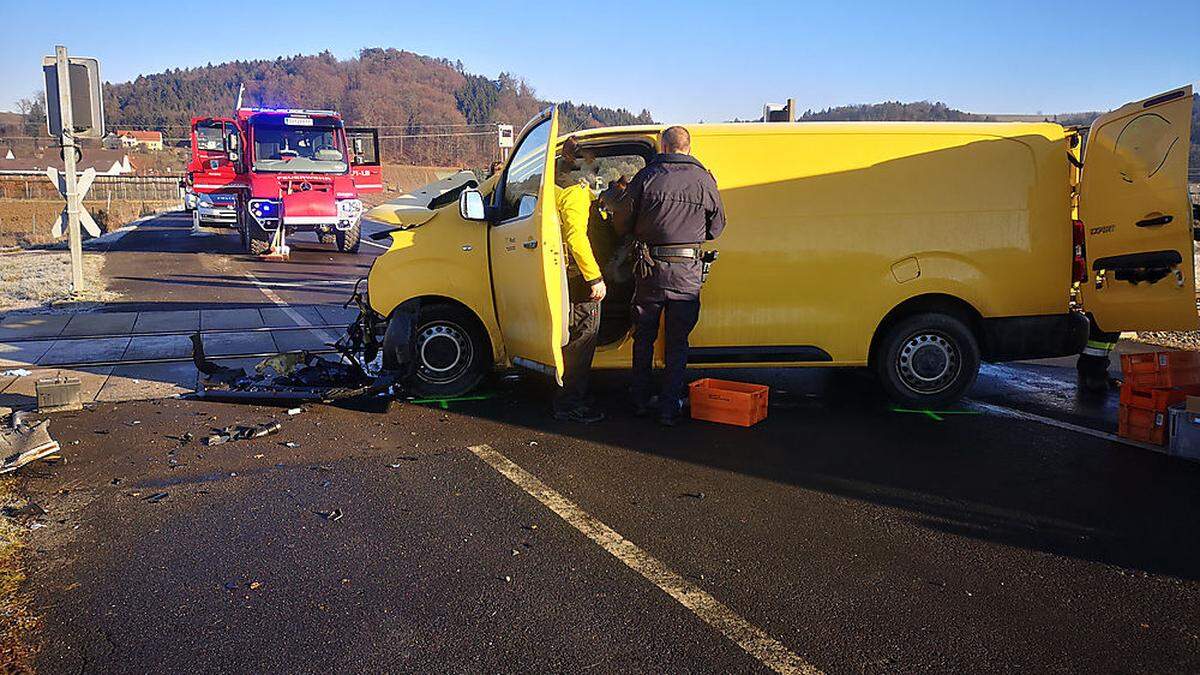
(233, 142)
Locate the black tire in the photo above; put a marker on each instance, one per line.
(256, 244)
(242, 224)
(451, 353)
(348, 240)
(927, 360)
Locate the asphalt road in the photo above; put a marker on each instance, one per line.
(160, 266)
(854, 537)
(859, 538)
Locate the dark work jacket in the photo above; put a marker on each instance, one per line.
(673, 200)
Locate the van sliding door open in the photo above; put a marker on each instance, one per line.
(1137, 217)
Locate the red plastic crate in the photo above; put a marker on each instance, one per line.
(1156, 399)
(728, 402)
(1141, 424)
(1161, 370)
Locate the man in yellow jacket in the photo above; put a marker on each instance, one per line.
(585, 285)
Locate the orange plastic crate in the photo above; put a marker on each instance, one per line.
(1159, 370)
(1140, 424)
(728, 402)
(1156, 399)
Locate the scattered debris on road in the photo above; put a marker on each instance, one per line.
(242, 432)
(334, 515)
(156, 497)
(26, 510)
(291, 376)
(16, 372)
(24, 442)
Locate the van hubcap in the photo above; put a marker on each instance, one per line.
(443, 351)
(928, 363)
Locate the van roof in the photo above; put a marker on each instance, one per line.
(1049, 130)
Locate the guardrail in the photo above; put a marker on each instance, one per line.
(136, 188)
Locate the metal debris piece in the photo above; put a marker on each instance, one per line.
(24, 442)
(693, 495)
(333, 515)
(291, 444)
(291, 376)
(156, 497)
(295, 411)
(26, 510)
(242, 433)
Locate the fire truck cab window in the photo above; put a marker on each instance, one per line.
(278, 147)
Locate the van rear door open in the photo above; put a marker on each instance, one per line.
(1137, 217)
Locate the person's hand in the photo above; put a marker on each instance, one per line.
(598, 291)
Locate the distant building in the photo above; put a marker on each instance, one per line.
(150, 140)
(105, 162)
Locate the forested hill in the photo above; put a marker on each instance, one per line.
(892, 111)
(406, 92)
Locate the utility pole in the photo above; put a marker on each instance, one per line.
(66, 115)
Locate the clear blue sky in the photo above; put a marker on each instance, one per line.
(685, 61)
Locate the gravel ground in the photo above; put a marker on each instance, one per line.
(41, 281)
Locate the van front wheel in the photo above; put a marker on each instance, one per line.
(450, 352)
(927, 360)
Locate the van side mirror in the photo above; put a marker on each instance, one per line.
(470, 205)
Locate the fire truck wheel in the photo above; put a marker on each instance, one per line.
(326, 237)
(258, 244)
(347, 240)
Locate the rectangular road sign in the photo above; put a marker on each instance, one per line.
(87, 101)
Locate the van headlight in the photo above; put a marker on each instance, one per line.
(349, 210)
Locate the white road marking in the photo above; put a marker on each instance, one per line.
(306, 284)
(1049, 421)
(755, 641)
(291, 313)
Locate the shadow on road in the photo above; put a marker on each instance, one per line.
(986, 477)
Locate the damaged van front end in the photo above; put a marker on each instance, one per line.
(426, 311)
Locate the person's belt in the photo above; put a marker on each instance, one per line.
(676, 251)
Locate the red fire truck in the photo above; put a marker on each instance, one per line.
(301, 170)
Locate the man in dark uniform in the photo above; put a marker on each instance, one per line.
(672, 206)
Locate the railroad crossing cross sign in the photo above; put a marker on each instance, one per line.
(84, 184)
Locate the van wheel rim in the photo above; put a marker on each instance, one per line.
(928, 363)
(444, 352)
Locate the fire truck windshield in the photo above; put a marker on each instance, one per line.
(308, 149)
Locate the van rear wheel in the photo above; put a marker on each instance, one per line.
(450, 352)
(927, 360)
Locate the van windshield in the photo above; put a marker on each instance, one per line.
(308, 149)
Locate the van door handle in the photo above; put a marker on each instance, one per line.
(1155, 221)
(530, 244)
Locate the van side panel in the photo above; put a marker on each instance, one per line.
(831, 226)
(446, 257)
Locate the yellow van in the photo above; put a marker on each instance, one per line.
(915, 249)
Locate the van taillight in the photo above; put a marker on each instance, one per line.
(1078, 264)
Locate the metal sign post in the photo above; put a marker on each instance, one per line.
(75, 109)
(68, 149)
